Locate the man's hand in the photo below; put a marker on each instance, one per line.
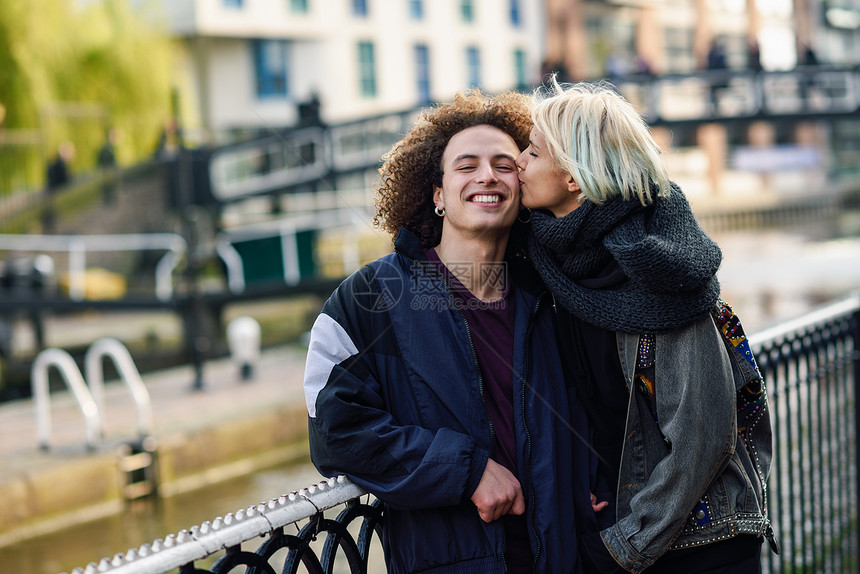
(498, 493)
(598, 506)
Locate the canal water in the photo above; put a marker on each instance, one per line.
(76, 547)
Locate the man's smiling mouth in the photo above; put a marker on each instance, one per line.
(485, 198)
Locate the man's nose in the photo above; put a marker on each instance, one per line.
(486, 173)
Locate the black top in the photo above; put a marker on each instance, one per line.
(590, 358)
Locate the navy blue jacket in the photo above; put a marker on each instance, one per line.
(395, 401)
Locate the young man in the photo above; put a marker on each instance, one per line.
(433, 382)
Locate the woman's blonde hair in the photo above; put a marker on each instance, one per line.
(597, 136)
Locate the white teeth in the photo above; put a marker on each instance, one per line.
(486, 198)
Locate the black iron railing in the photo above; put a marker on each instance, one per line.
(812, 369)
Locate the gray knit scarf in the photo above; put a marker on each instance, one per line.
(625, 267)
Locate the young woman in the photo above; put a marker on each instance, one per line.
(618, 246)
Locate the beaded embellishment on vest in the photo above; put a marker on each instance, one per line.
(733, 332)
(644, 374)
(750, 398)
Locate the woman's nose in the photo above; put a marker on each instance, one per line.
(520, 162)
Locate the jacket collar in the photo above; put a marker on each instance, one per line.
(522, 272)
(407, 243)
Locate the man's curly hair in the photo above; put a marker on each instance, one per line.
(404, 195)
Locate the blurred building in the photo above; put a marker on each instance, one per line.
(250, 66)
(256, 64)
(719, 41)
(597, 38)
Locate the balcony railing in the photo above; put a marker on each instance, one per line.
(812, 369)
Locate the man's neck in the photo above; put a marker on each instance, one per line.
(476, 262)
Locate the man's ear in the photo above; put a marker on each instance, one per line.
(437, 196)
(572, 186)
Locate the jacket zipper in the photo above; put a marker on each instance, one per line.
(471, 344)
(484, 400)
(483, 403)
(480, 379)
(531, 506)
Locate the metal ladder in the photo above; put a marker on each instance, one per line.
(138, 462)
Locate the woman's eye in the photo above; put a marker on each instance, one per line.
(533, 154)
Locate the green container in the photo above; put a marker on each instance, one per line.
(278, 258)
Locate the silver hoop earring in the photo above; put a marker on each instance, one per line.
(440, 211)
(528, 215)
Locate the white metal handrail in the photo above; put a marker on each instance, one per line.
(128, 373)
(77, 247)
(175, 551)
(75, 381)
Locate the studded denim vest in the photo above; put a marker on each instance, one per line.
(698, 443)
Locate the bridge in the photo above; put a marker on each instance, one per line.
(313, 157)
(725, 96)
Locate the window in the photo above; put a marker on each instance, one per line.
(473, 67)
(416, 9)
(359, 8)
(270, 63)
(679, 50)
(232, 3)
(422, 73)
(366, 70)
(520, 70)
(515, 13)
(299, 6)
(467, 9)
